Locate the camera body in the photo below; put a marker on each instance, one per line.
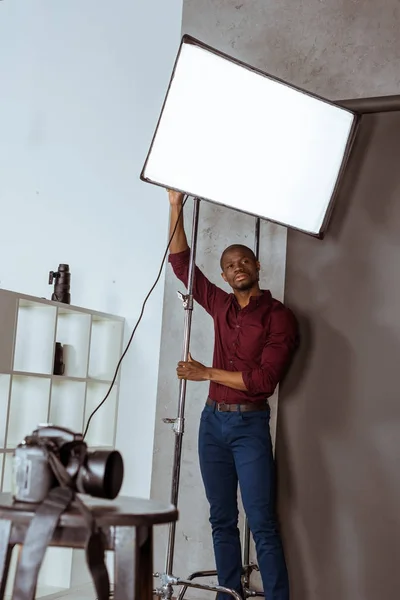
(98, 473)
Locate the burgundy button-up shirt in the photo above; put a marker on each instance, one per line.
(257, 340)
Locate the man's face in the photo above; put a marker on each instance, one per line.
(239, 269)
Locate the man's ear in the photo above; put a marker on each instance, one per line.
(223, 276)
(258, 266)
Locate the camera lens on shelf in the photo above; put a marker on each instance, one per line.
(62, 284)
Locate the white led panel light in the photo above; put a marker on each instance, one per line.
(230, 134)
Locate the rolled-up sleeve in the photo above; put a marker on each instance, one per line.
(276, 355)
(180, 265)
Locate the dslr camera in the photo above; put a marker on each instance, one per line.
(98, 473)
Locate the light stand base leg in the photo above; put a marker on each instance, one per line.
(248, 592)
(169, 581)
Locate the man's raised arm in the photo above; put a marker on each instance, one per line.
(179, 241)
(205, 293)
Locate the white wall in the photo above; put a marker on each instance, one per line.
(81, 86)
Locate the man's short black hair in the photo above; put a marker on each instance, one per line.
(237, 247)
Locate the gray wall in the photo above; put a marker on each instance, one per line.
(338, 447)
(346, 49)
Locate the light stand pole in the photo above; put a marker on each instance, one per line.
(178, 423)
(167, 579)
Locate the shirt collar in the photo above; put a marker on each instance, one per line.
(255, 301)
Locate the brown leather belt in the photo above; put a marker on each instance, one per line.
(222, 407)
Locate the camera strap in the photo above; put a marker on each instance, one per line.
(40, 533)
(37, 539)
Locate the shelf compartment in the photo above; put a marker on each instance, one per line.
(7, 475)
(73, 332)
(29, 405)
(4, 394)
(102, 426)
(105, 347)
(2, 460)
(67, 404)
(34, 342)
(8, 317)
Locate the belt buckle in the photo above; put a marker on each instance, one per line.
(219, 405)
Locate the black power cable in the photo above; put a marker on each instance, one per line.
(138, 321)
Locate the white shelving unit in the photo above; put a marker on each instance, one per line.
(31, 394)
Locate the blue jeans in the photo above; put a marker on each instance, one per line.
(236, 447)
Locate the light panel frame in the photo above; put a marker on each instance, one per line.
(189, 40)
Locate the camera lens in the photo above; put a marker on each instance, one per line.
(62, 284)
(102, 474)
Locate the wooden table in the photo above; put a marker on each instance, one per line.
(127, 525)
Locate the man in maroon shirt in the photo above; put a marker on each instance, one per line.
(255, 337)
